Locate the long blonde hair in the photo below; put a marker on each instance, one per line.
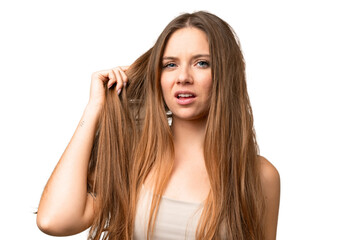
(134, 137)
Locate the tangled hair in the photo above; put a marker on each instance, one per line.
(134, 137)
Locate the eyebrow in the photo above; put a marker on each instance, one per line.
(193, 57)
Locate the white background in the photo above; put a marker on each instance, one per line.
(303, 70)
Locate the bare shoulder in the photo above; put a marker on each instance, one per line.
(270, 182)
(269, 175)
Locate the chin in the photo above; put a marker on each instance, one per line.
(191, 117)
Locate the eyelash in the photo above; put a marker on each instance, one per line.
(202, 62)
(167, 65)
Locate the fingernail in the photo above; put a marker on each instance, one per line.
(110, 86)
(125, 83)
(119, 91)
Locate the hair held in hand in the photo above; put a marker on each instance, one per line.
(134, 137)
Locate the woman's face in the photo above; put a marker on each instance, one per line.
(186, 74)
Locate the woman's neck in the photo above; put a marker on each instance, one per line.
(188, 135)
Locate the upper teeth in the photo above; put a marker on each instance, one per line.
(184, 95)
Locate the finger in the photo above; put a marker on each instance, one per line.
(125, 68)
(123, 74)
(112, 78)
(119, 80)
(102, 75)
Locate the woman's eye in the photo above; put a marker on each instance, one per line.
(203, 64)
(169, 65)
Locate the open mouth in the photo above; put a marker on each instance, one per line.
(185, 96)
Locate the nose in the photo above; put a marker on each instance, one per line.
(185, 76)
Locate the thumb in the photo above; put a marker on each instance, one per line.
(124, 68)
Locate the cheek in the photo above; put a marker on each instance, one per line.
(166, 82)
(207, 83)
(165, 88)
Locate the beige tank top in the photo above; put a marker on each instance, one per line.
(175, 219)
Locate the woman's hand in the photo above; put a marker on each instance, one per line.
(114, 77)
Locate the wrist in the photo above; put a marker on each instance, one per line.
(94, 108)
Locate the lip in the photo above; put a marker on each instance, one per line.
(184, 92)
(185, 101)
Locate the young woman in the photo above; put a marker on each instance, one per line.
(166, 147)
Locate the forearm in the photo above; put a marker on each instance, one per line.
(65, 195)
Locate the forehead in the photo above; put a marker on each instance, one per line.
(188, 40)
